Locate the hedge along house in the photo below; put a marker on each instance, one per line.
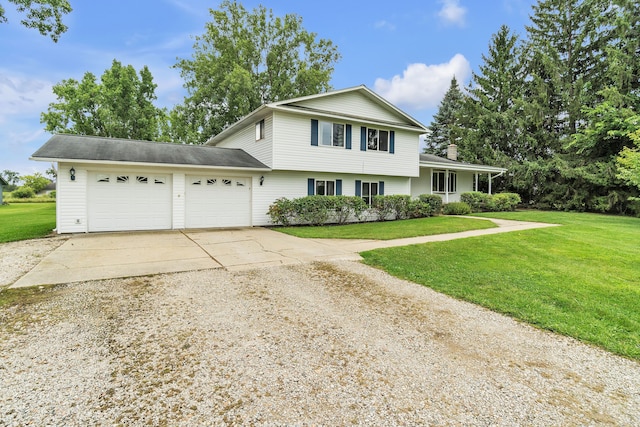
(345, 142)
(3, 183)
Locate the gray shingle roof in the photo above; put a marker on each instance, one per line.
(437, 159)
(76, 147)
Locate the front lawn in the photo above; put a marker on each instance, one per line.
(390, 229)
(23, 221)
(581, 279)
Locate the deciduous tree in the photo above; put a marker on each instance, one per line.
(119, 106)
(37, 182)
(243, 60)
(629, 160)
(43, 15)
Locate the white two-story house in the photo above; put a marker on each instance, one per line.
(346, 142)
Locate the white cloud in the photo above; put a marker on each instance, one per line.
(23, 95)
(385, 25)
(422, 86)
(452, 13)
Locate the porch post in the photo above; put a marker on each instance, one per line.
(446, 185)
(430, 181)
(476, 183)
(489, 182)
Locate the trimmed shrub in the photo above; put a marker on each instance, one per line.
(316, 210)
(456, 208)
(23, 192)
(503, 202)
(345, 207)
(433, 200)
(312, 210)
(477, 201)
(419, 209)
(53, 194)
(282, 211)
(399, 204)
(381, 207)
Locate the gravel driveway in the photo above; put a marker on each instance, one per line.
(316, 344)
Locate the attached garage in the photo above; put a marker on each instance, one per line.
(217, 201)
(128, 200)
(108, 184)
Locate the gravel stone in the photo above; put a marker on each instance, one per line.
(336, 343)
(18, 258)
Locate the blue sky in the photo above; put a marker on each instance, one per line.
(405, 50)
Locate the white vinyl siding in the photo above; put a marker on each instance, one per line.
(245, 139)
(294, 151)
(71, 202)
(354, 104)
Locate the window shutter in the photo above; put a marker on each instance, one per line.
(381, 188)
(358, 188)
(338, 187)
(363, 138)
(314, 132)
(311, 186)
(392, 142)
(348, 142)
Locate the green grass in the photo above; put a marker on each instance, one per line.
(26, 221)
(390, 229)
(580, 280)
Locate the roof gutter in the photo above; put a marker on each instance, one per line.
(463, 167)
(166, 165)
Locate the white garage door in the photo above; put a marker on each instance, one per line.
(217, 201)
(129, 201)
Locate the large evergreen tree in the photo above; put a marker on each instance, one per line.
(568, 106)
(490, 113)
(607, 124)
(563, 36)
(246, 59)
(445, 128)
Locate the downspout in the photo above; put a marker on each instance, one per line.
(491, 177)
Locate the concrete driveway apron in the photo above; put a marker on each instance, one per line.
(113, 255)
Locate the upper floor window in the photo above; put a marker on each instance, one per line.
(377, 140)
(440, 183)
(331, 134)
(260, 130)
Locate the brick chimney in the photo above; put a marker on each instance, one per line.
(452, 152)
